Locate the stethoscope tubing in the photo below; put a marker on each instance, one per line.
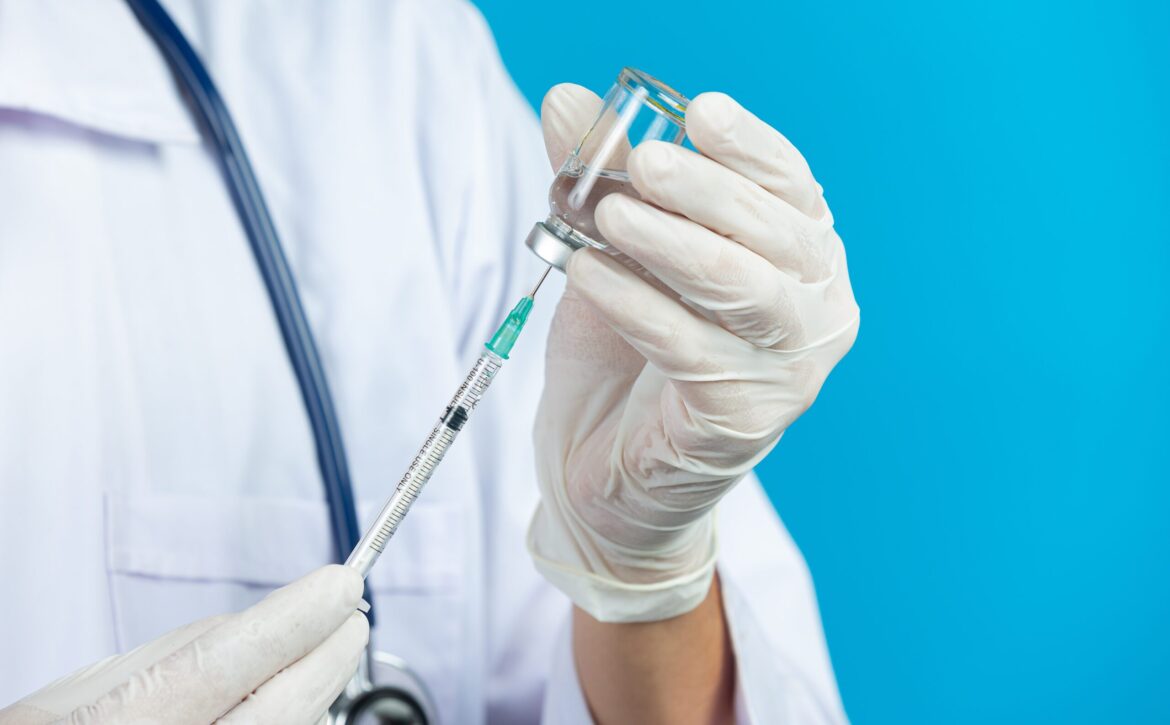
(220, 131)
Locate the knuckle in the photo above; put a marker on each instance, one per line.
(666, 335)
(757, 308)
(759, 331)
(786, 329)
(579, 496)
(709, 277)
(732, 276)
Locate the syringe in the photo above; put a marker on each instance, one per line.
(433, 449)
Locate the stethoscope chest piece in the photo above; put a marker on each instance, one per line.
(400, 698)
(379, 706)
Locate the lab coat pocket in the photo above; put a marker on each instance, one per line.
(176, 558)
(419, 590)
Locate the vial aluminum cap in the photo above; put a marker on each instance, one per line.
(550, 247)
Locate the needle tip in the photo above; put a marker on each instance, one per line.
(539, 282)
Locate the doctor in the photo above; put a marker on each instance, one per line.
(156, 466)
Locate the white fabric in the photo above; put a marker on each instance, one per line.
(155, 462)
(667, 385)
(283, 660)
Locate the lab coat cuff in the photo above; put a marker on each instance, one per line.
(769, 687)
(565, 702)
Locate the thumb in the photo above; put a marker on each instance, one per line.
(214, 672)
(565, 115)
(58, 699)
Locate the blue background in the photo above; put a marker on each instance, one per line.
(981, 490)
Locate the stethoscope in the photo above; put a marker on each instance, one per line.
(403, 698)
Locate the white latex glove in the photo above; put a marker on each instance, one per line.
(282, 661)
(653, 409)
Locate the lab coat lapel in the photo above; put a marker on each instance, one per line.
(92, 65)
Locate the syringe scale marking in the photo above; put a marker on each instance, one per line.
(431, 453)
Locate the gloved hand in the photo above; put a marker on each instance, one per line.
(282, 661)
(662, 390)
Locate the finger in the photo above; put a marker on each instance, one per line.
(303, 692)
(729, 204)
(671, 336)
(728, 133)
(582, 347)
(745, 293)
(588, 349)
(82, 687)
(565, 115)
(214, 672)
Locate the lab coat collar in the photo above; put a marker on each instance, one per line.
(91, 64)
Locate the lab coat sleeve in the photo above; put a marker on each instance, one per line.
(783, 673)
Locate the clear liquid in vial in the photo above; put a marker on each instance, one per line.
(574, 195)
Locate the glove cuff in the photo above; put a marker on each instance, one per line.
(609, 599)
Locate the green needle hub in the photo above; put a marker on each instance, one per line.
(505, 337)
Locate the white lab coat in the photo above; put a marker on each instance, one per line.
(155, 461)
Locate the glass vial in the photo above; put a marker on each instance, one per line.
(637, 108)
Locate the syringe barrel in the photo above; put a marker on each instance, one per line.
(429, 455)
